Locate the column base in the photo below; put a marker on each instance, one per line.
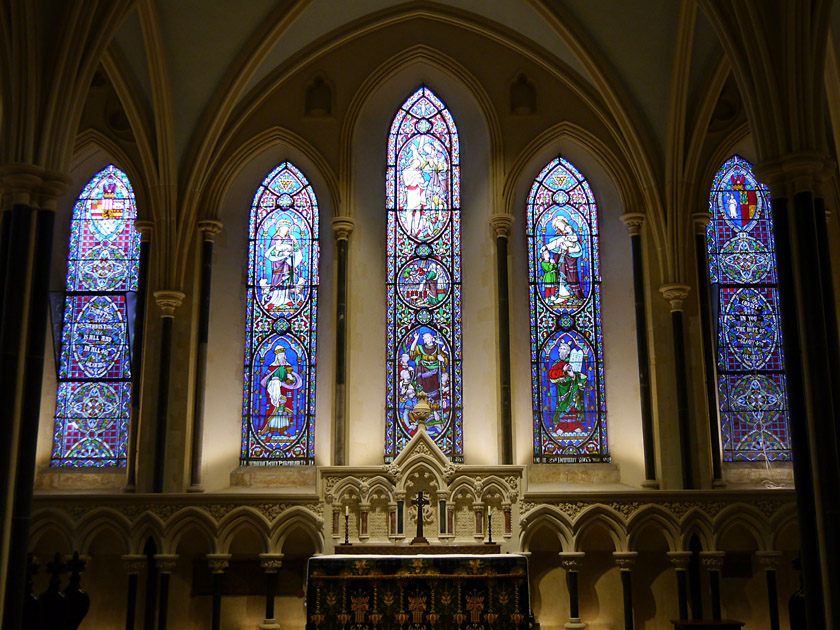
(653, 484)
(574, 625)
(269, 624)
(195, 488)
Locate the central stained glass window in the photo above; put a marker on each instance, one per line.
(423, 200)
(567, 354)
(94, 376)
(750, 363)
(278, 408)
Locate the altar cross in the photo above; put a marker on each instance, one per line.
(420, 501)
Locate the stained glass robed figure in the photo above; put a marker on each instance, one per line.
(750, 363)
(423, 346)
(567, 360)
(94, 376)
(278, 408)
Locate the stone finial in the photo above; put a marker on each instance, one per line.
(701, 221)
(675, 294)
(134, 563)
(145, 229)
(625, 560)
(218, 562)
(572, 560)
(168, 301)
(712, 560)
(271, 562)
(633, 221)
(343, 227)
(165, 562)
(209, 229)
(501, 224)
(768, 560)
(679, 559)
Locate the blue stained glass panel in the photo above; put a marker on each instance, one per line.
(567, 356)
(752, 393)
(423, 339)
(94, 391)
(278, 406)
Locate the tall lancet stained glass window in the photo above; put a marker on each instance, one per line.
(278, 408)
(750, 363)
(423, 199)
(567, 355)
(94, 373)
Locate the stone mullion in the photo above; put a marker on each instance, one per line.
(713, 562)
(342, 228)
(501, 225)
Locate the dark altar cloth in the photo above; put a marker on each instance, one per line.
(725, 624)
(431, 592)
(417, 550)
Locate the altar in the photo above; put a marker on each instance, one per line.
(417, 592)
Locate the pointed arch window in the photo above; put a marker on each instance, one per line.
(278, 408)
(423, 346)
(567, 354)
(94, 376)
(752, 391)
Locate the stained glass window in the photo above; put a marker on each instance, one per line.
(278, 408)
(423, 199)
(750, 363)
(94, 377)
(567, 354)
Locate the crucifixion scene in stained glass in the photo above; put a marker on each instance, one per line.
(94, 377)
(423, 200)
(567, 355)
(750, 362)
(278, 408)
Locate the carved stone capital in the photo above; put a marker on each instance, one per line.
(271, 562)
(625, 560)
(342, 228)
(209, 229)
(768, 560)
(32, 185)
(680, 559)
(800, 171)
(712, 560)
(701, 221)
(134, 563)
(168, 301)
(633, 221)
(165, 562)
(145, 229)
(218, 562)
(572, 560)
(501, 224)
(675, 294)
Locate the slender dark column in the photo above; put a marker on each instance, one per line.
(625, 561)
(676, 294)
(634, 222)
(342, 228)
(217, 563)
(694, 585)
(209, 229)
(713, 561)
(799, 428)
(134, 565)
(145, 230)
(165, 565)
(681, 560)
(572, 562)
(769, 560)
(168, 301)
(501, 225)
(150, 605)
(701, 222)
(5, 238)
(270, 563)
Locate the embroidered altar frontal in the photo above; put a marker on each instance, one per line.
(417, 593)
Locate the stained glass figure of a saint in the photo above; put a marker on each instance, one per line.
(423, 347)
(278, 408)
(752, 392)
(94, 376)
(567, 360)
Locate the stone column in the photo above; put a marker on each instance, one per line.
(364, 512)
(713, 561)
(676, 294)
(478, 510)
(572, 561)
(134, 565)
(209, 229)
(270, 563)
(217, 562)
(681, 561)
(701, 223)
(506, 511)
(501, 226)
(144, 228)
(634, 222)
(769, 561)
(625, 561)
(342, 228)
(165, 563)
(168, 301)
